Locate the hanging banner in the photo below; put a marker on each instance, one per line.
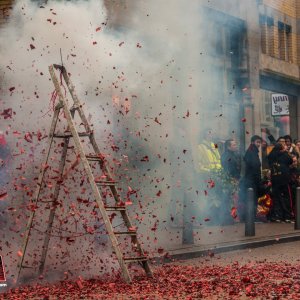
(280, 105)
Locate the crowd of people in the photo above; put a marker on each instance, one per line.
(278, 179)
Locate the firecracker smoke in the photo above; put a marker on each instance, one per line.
(144, 83)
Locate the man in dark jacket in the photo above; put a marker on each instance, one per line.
(230, 159)
(253, 164)
(280, 161)
(252, 178)
(231, 164)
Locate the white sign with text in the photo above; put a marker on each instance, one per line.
(280, 105)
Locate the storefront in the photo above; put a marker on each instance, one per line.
(279, 111)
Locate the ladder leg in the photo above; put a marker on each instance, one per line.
(53, 209)
(147, 268)
(38, 190)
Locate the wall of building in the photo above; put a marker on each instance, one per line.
(279, 60)
(287, 7)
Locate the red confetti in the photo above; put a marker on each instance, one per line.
(79, 284)
(171, 281)
(156, 120)
(39, 136)
(98, 29)
(7, 113)
(211, 183)
(3, 196)
(234, 212)
(243, 120)
(132, 228)
(28, 137)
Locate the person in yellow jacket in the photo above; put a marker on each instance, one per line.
(209, 158)
(209, 168)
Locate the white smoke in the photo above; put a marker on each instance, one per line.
(140, 83)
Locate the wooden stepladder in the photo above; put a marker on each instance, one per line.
(96, 185)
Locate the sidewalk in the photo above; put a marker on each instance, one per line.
(215, 239)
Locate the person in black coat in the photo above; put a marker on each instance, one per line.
(231, 164)
(230, 159)
(252, 177)
(253, 164)
(280, 161)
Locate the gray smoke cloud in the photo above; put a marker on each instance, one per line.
(148, 90)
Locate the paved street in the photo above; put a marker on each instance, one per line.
(270, 272)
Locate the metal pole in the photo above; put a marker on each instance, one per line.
(297, 209)
(187, 232)
(250, 216)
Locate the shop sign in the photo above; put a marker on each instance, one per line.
(280, 105)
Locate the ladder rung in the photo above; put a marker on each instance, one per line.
(135, 259)
(68, 135)
(27, 267)
(106, 182)
(94, 158)
(115, 208)
(125, 232)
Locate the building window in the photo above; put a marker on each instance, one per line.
(266, 115)
(267, 35)
(285, 42)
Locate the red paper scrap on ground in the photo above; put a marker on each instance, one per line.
(3, 196)
(173, 281)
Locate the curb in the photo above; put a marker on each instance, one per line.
(214, 249)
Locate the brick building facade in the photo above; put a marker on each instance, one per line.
(279, 62)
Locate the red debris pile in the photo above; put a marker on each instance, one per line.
(253, 280)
